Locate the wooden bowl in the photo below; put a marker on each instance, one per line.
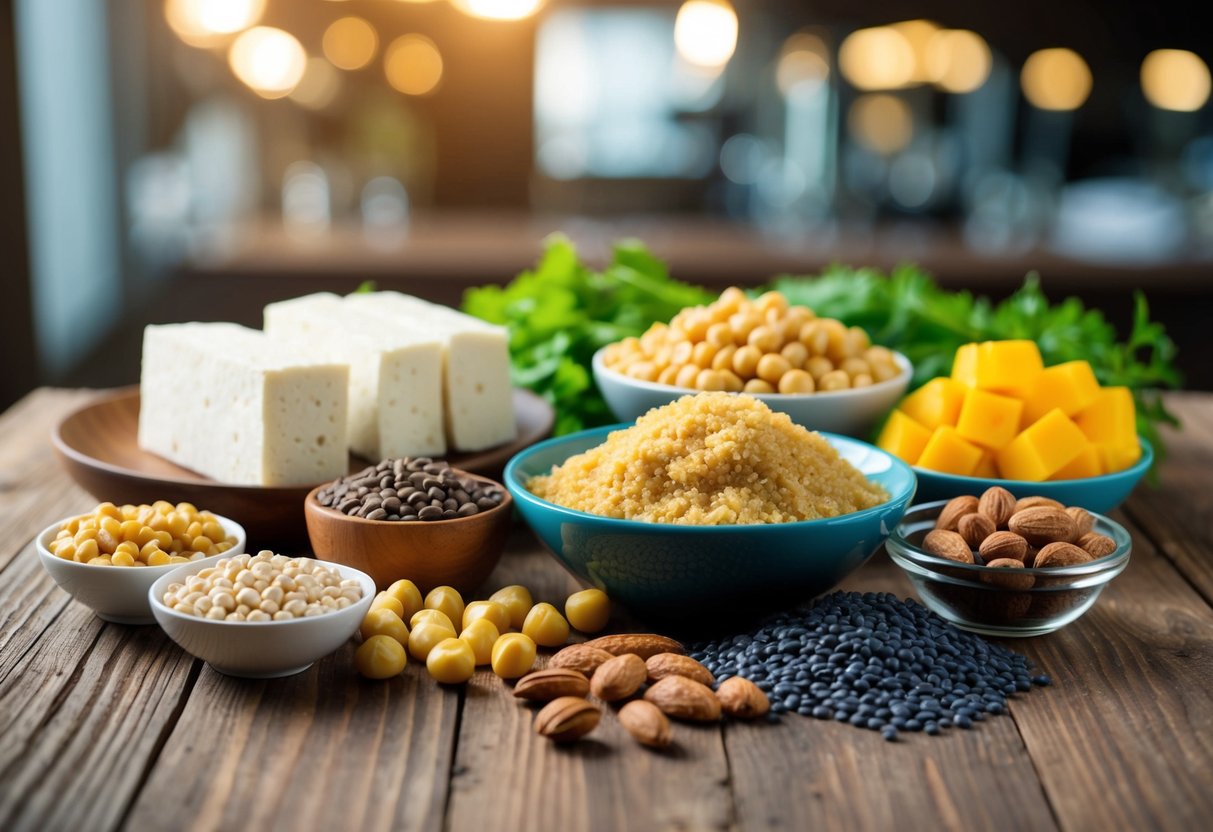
(460, 552)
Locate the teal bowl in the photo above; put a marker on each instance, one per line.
(662, 570)
(1098, 494)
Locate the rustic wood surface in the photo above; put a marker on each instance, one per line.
(104, 726)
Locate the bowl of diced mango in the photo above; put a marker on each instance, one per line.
(1003, 418)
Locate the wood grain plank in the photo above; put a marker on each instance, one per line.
(507, 777)
(1124, 739)
(323, 749)
(1177, 515)
(816, 774)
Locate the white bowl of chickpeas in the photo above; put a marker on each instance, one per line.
(108, 558)
(304, 609)
(821, 373)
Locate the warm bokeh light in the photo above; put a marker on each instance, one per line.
(350, 43)
(495, 9)
(877, 59)
(207, 23)
(918, 34)
(804, 60)
(881, 122)
(268, 60)
(1056, 79)
(1175, 79)
(413, 65)
(705, 32)
(319, 86)
(958, 60)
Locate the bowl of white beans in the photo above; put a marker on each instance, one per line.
(261, 616)
(119, 593)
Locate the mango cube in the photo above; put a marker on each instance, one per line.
(986, 466)
(988, 419)
(1088, 463)
(1118, 457)
(949, 452)
(903, 437)
(1070, 386)
(1110, 419)
(1043, 449)
(935, 403)
(1008, 367)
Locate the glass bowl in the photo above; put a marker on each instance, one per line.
(966, 595)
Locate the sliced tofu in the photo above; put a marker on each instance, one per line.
(396, 404)
(232, 404)
(478, 395)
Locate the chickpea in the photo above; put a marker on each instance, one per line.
(446, 599)
(731, 299)
(546, 626)
(855, 367)
(723, 359)
(732, 383)
(745, 361)
(771, 300)
(710, 380)
(588, 610)
(88, 549)
(743, 323)
(513, 655)
(451, 662)
(434, 617)
(862, 380)
(815, 336)
(517, 601)
(380, 622)
(653, 338)
(696, 325)
(119, 559)
(796, 381)
(772, 366)
(681, 353)
(796, 353)
(669, 374)
(481, 635)
(379, 657)
(424, 636)
(817, 366)
(642, 371)
(758, 386)
(382, 601)
(765, 338)
(493, 611)
(834, 380)
(703, 353)
(661, 358)
(719, 335)
(409, 596)
(686, 376)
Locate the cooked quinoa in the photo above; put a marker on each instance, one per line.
(711, 459)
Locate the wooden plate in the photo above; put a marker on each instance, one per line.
(98, 445)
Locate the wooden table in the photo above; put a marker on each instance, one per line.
(104, 726)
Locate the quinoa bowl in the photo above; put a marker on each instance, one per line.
(666, 570)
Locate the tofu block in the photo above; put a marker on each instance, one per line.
(903, 437)
(230, 403)
(1071, 387)
(1110, 419)
(950, 453)
(935, 403)
(1043, 449)
(478, 395)
(1088, 463)
(1007, 367)
(395, 390)
(988, 419)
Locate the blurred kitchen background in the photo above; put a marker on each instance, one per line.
(193, 159)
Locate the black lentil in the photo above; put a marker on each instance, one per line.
(410, 488)
(874, 661)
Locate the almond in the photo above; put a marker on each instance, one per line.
(619, 678)
(1061, 554)
(1004, 574)
(946, 544)
(975, 528)
(684, 698)
(1084, 521)
(672, 664)
(552, 683)
(998, 504)
(1036, 502)
(567, 718)
(580, 657)
(640, 644)
(646, 723)
(1040, 525)
(956, 508)
(1097, 545)
(1003, 545)
(742, 699)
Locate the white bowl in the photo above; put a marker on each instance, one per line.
(850, 412)
(118, 593)
(260, 649)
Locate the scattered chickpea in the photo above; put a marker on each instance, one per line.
(481, 635)
(380, 657)
(446, 599)
(588, 610)
(517, 601)
(383, 601)
(384, 622)
(409, 596)
(451, 661)
(493, 611)
(425, 636)
(546, 626)
(433, 616)
(513, 655)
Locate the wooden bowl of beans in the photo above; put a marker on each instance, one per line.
(412, 518)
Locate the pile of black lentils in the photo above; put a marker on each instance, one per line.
(875, 661)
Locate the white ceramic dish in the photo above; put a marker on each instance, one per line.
(118, 593)
(260, 649)
(849, 412)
